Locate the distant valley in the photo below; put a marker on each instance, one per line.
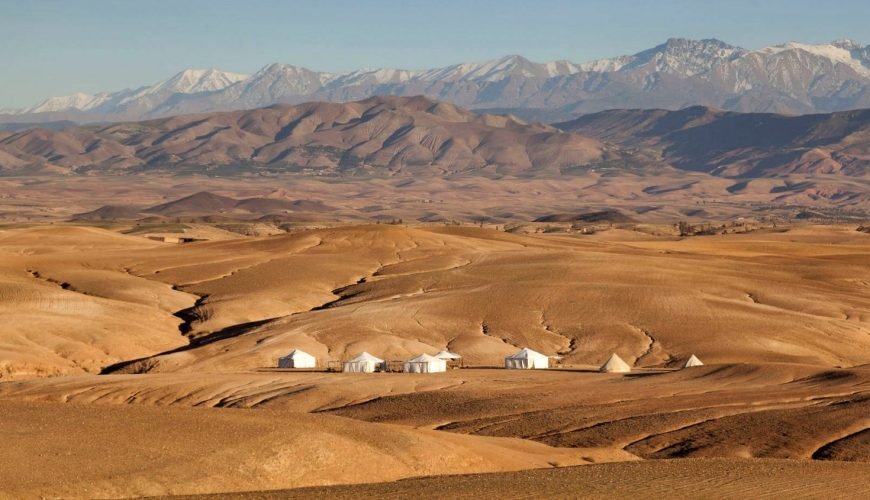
(413, 158)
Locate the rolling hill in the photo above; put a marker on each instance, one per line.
(381, 135)
(732, 144)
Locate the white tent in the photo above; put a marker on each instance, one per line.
(615, 365)
(425, 363)
(527, 359)
(297, 359)
(364, 363)
(692, 361)
(448, 355)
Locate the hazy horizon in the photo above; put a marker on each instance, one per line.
(59, 48)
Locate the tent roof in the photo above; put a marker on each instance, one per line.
(692, 361)
(526, 353)
(615, 364)
(296, 353)
(425, 358)
(365, 357)
(447, 355)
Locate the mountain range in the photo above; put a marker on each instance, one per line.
(729, 144)
(791, 78)
(386, 136)
(380, 136)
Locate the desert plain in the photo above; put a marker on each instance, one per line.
(131, 366)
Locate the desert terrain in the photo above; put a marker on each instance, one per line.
(342, 250)
(130, 366)
(153, 273)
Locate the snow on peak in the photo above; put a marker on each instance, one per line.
(372, 76)
(606, 65)
(842, 51)
(283, 80)
(498, 69)
(677, 56)
(78, 101)
(847, 44)
(561, 68)
(276, 69)
(686, 57)
(191, 81)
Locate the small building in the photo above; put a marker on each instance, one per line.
(615, 365)
(425, 363)
(527, 359)
(364, 363)
(297, 359)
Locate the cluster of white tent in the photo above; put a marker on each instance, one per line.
(615, 364)
(424, 363)
(526, 359)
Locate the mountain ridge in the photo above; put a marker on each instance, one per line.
(380, 135)
(790, 78)
(730, 144)
(385, 136)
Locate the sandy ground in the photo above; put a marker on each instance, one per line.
(167, 434)
(667, 196)
(797, 296)
(671, 479)
(190, 403)
(68, 450)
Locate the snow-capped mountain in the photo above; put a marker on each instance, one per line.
(789, 78)
(79, 100)
(681, 57)
(498, 70)
(192, 81)
(188, 82)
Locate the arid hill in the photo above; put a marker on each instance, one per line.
(81, 299)
(110, 212)
(205, 205)
(188, 400)
(611, 215)
(380, 134)
(739, 144)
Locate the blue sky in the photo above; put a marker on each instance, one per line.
(55, 47)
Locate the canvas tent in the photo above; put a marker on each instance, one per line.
(297, 359)
(615, 365)
(692, 361)
(425, 363)
(527, 359)
(453, 359)
(364, 363)
(449, 356)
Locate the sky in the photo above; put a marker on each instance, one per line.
(57, 47)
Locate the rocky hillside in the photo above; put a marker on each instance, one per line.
(739, 144)
(380, 136)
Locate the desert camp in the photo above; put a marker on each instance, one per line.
(527, 359)
(363, 363)
(425, 363)
(435, 250)
(615, 364)
(297, 359)
(692, 361)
